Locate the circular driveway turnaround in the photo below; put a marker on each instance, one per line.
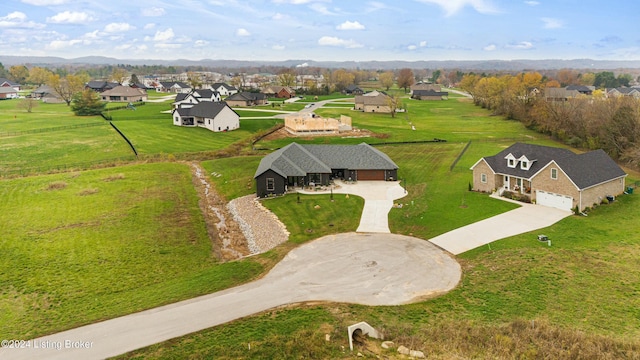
(370, 269)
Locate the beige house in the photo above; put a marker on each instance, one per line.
(550, 176)
(215, 116)
(309, 122)
(374, 101)
(124, 94)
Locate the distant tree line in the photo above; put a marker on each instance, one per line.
(589, 122)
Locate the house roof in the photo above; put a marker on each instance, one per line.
(124, 91)
(299, 160)
(379, 99)
(7, 90)
(204, 109)
(429, 92)
(11, 83)
(101, 84)
(181, 96)
(204, 93)
(580, 88)
(169, 84)
(247, 96)
(224, 85)
(585, 170)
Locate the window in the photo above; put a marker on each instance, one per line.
(524, 165)
(511, 163)
(554, 174)
(315, 178)
(483, 178)
(271, 184)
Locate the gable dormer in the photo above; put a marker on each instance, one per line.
(511, 161)
(525, 163)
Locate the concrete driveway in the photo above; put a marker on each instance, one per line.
(370, 269)
(526, 218)
(378, 200)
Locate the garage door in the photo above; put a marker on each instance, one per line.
(370, 174)
(554, 200)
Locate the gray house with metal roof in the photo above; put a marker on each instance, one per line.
(297, 165)
(550, 176)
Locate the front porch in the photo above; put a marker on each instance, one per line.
(513, 184)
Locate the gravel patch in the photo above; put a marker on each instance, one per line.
(262, 228)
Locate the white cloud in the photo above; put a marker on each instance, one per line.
(551, 23)
(319, 8)
(153, 11)
(451, 7)
(350, 25)
(44, 2)
(118, 27)
(423, 43)
(523, 45)
(335, 41)
(149, 26)
(375, 6)
(62, 44)
(532, 3)
(18, 19)
(70, 17)
(279, 17)
(200, 43)
(412, 47)
(242, 32)
(92, 35)
(491, 47)
(161, 36)
(278, 47)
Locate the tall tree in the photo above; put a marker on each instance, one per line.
(119, 75)
(134, 79)
(435, 76)
(386, 79)
(342, 79)
(287, 77)
(19, 73)
(3, 71)
(38, 75)
(405, 79)
(66, 87)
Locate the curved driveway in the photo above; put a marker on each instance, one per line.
(370, 269)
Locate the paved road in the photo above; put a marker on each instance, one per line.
(370, 269)
(378, 200)
(526, 218)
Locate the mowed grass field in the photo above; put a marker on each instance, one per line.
(87, 246)
(62, 140)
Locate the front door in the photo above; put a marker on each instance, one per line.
(506, 182)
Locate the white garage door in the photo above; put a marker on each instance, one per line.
(554, 200)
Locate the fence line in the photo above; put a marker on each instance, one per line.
(52, 129)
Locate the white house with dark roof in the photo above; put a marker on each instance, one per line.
(224, 89)
(550, 176)
(215, 116)
(8, 83)
(302, 165)
(174, 87)
(195, 97)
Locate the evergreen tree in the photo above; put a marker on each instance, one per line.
(87, 103)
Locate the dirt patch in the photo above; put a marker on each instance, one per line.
(86, 192)
(57, 185)
(284, 134)
(228, 240)
(114, 177)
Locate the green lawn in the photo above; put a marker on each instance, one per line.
(83, 247)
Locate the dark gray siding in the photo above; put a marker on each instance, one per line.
(261, 184)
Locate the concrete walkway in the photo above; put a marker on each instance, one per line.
(370, 269)
(378, 200)
(526, 218)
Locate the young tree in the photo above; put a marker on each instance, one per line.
(405, 79)
(386, 80)
(27, 104)
(87, 103)
(394, 103)
(193, 79)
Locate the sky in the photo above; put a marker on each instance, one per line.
(322, 30)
